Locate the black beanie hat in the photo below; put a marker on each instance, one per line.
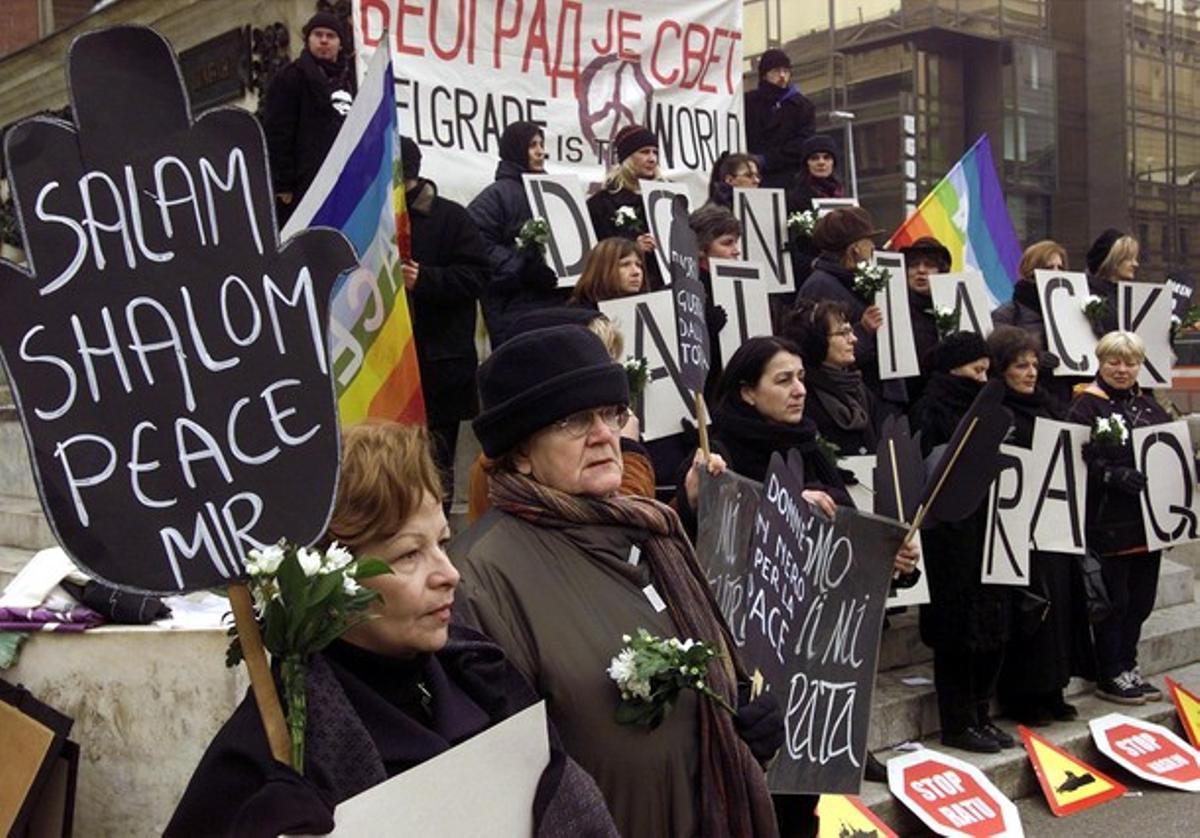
(815, 143)
(544, 318)
(956, 349)
(929, 246)
(1098, 252)
(410, 158)
(324, 20)
(514, 142)
(536, 378)
(632, 137)
(772, 59)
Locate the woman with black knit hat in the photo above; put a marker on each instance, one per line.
(562, 568)
(616, 209)
(922, 259)
(521, 280)
(1112, 258)
(966, 623)
(779, 118)
(817, 179)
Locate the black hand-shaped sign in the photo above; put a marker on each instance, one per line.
(167, 357)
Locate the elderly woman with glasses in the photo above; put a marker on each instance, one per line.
(562, 567)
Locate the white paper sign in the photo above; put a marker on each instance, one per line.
(1170, 504)
(500, 768)
(647, 322)
(1010, 502)
(1146, 309)
(656, 201)
(824, 206)
(863, 468)
(763, 213)
(897, 345)
(1150, 751)
(1058, 479)
(562, 201)
(1069, 335)
(952, 796)
(966, 293)
(745, 303)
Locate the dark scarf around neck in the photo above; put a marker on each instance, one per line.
(842, 394)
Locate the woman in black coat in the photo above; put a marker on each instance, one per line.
(922, 259)
(817, 179)
(617, 208)
(521, 280)
(1114, 526)
(845, 411)
(966, 622)
(1044, 645)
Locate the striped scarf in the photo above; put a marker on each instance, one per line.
(734, 800)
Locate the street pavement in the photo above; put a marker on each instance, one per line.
(1147, 810)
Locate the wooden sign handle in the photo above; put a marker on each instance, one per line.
(702, 424)
(265, 694)
(920, 516)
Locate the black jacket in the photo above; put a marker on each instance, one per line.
(300, 120)
(453, 272)
(925, 335)
(778, 121)
(830, 281)
(1114, 518)
(1024, 311)
(850, 441)
(963, 615)
(602, 207)
(521, 280)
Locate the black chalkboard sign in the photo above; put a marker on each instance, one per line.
(168, 358)
(804, 597)
(690, 299)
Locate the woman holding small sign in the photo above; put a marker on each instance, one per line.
(1112, 406)
(562, 570)
(1049, 632)
(966, 622)
(392, 691)
(616, 209)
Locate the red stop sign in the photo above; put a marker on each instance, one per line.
(951, 796)
(1148, 750)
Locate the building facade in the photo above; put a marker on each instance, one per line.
(1092, 106)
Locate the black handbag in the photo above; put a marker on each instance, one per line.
(1099, 605)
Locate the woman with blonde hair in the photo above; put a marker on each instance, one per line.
(1112, 258)
(393, 691)
(614, 268)
(616, 209)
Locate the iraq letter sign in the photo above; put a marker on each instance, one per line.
(167, 356)
(804, 599)
(1170, 502)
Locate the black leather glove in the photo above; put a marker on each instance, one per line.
(760, 724)
(1048, 362)
(287, 804)
(537, 274)
(1124, 479)
(716, 318)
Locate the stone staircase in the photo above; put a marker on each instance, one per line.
(1170, 645)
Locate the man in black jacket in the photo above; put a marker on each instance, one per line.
(444, 277)
(305, 107)
(779, 118)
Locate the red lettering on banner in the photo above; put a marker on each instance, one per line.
(729, 63)
(627, 36)
(694, 54)
(536, 39)
(573, 41)
(658, 42)
(459, 34)
(380, 7)
(502, 32)
(403, 9)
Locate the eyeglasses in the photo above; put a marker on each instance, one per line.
(751, 174)
(578, 424)
(844, 332)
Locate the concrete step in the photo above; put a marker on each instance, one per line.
(16, 476)
(1187, 555)
(22, 523)
(1176, 584)
(12, 559)
(1011, 770)
(901, 712)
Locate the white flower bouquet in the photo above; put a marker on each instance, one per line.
(652, 671)
(945, 320)
(626, 218)
(533, 235)
(1095, 307)
(304, 600)
(1110, 431)
(802, 223)
(869, 280)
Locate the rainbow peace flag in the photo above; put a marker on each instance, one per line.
(359, 190)
(966, 213)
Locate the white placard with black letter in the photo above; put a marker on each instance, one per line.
(967, 295)
(562, 201)
(1058, 479)
(647, 322)
(1170, 503)
(1146, 309)
(737, 288)
(1010, 502)
(824, 206)
(657, 201)
(1069, 335)
(897, 345)
(763, 213)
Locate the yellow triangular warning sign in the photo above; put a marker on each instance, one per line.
(1070, 785)
(844, 815)
(1187, 706)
